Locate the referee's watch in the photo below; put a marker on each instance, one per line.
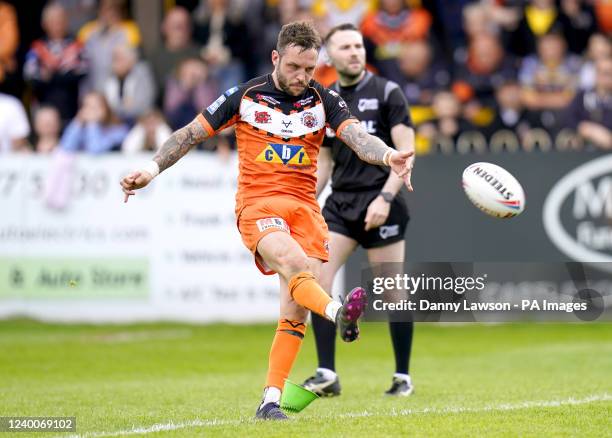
(387, 196)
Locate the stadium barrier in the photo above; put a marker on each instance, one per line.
(568, 218)
(71, 250)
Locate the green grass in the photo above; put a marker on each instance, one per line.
(471, 380)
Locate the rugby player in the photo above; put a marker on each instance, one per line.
(280, 121)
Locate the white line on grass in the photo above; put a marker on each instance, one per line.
(501, 407)
(393, 413)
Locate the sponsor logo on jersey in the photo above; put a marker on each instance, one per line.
(268, 99)
(216, 104)
(367, 105)
(333, 93)
(303, 102)
(288, 154)
(262, 117)
(309, 120)
(272, 222)
(231, 91)
(286, 124)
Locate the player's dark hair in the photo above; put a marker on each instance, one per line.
(338, 28)
(299, 33)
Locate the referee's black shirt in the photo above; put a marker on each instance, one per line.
(380, 105)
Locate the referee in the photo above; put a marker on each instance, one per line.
(363, 208)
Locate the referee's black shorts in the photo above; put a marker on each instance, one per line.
(345, 214)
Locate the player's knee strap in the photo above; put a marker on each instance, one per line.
(295, 328)
(298, 279)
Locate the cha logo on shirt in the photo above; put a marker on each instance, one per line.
(288, 154)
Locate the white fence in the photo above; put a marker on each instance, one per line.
(71, 250)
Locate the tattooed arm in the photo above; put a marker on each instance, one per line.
(179, 143)
(368, 148)
(373, 150)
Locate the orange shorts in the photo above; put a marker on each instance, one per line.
(303, 222)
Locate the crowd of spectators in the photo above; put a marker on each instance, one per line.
(479, 75)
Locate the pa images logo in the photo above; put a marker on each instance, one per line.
(288, 154)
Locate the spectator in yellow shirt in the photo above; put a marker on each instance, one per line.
(100, 37)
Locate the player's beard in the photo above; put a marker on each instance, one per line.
(283, 83)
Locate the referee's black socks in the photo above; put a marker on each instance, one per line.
(325, 339)
(401, 338)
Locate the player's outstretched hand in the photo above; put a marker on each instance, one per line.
(401, 162)
(134, 181)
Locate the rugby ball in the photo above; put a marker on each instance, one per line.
(493, 190)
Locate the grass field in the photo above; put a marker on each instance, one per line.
(183, 380)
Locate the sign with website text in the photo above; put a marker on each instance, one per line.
(71, 249)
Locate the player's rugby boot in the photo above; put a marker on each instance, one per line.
(400, 387)
(346, 319)
(270, 411)
(322, 386)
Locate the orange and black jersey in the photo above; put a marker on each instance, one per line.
(278, 136)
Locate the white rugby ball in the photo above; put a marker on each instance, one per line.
(493, 190)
